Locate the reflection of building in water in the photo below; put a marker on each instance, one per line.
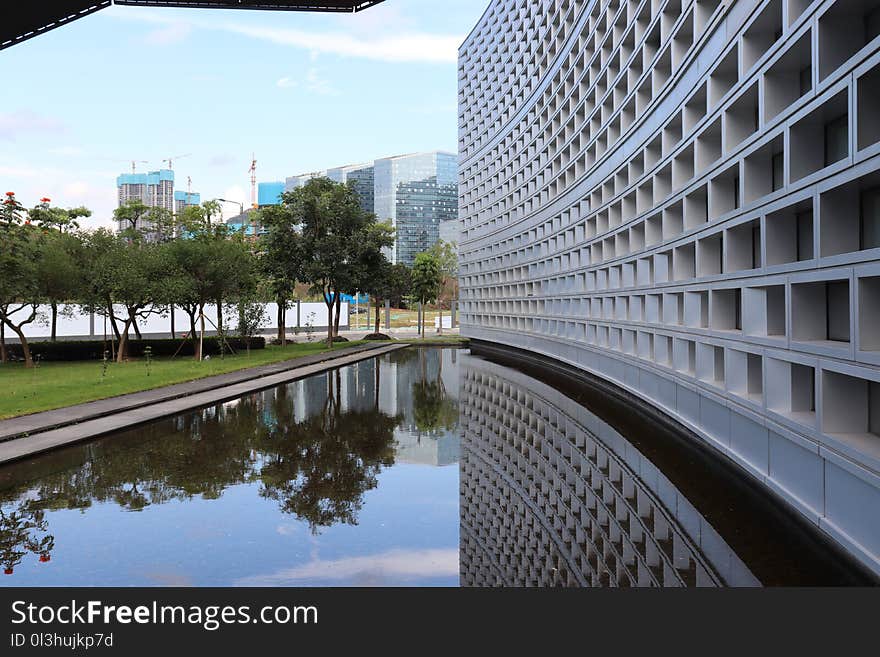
(427, 450)
(552, 495)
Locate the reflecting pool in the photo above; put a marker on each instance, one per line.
(426, 467)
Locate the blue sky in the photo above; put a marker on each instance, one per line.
(301, 91)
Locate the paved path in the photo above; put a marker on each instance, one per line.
(32, 434)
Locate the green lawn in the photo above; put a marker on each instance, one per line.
(55, 385)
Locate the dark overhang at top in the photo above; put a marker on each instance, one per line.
(30, 18)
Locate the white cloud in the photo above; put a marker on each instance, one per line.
(404, 43)
(318, 85)
(165, 36)
(412, 47)
(27, 122)
(378, 569)
(312, 83)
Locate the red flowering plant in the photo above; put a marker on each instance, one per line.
(11, 212)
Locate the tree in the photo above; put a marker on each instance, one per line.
(446, 254)
(19, 290)
(373, 271)
(103, 251)
(280, 259)
(59, 271)
(142, 221)
(426, 281)
(141, 284)
(59, 219)
(399, 283)
(334, 230)
(208, 267)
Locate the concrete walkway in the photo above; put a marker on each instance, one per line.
(32, 434)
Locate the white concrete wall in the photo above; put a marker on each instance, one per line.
(79, 324)
(624, 208)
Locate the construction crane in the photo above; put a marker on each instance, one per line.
(170, 160)
(133, 163)
(253, 172)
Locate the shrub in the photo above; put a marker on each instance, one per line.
(94, 349)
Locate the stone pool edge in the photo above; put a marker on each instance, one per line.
(55, 436)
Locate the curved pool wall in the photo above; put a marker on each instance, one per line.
(683, 198)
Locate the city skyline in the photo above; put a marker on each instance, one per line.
(317, 97)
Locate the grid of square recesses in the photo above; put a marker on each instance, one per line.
(735, 245)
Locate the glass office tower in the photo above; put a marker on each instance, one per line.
(416, 192)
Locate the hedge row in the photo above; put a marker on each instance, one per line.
(94, 349)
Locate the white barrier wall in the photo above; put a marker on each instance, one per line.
(72, 322)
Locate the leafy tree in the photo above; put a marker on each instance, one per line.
(446, 254)
(59, 272)
(142, 221)
(103, 250)
(335, 230)
(60, 219)
(373, 271)
(207, 267)
(280, 259)
(427, 278)
(399, 284)
(19, 290)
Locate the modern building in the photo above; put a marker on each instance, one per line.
(417, 193)
(361, 174)
(269, 193)
(154, 189)
(185, 200)
(682, 197)
(450, 231)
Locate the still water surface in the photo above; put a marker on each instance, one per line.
(427, 467)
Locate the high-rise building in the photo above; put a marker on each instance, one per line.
(683, 199)
(185, 200)
(154, 189)
(361, 174)
(416, 192)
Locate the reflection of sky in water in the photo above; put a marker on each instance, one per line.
(407, 517)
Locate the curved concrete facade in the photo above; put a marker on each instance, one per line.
(683, 197)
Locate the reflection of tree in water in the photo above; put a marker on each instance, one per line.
(317, 469)
(23, 531)
(433, 411)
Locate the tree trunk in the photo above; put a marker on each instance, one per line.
(172, 320)
(440, 310)
(282, 321)
(25, 347)
(202, 328)
(338, 312)
(219, 316)
(53, 337)
(112, 317)
(137, 330)
(4, 357)
(192, 333)
(123, 342)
